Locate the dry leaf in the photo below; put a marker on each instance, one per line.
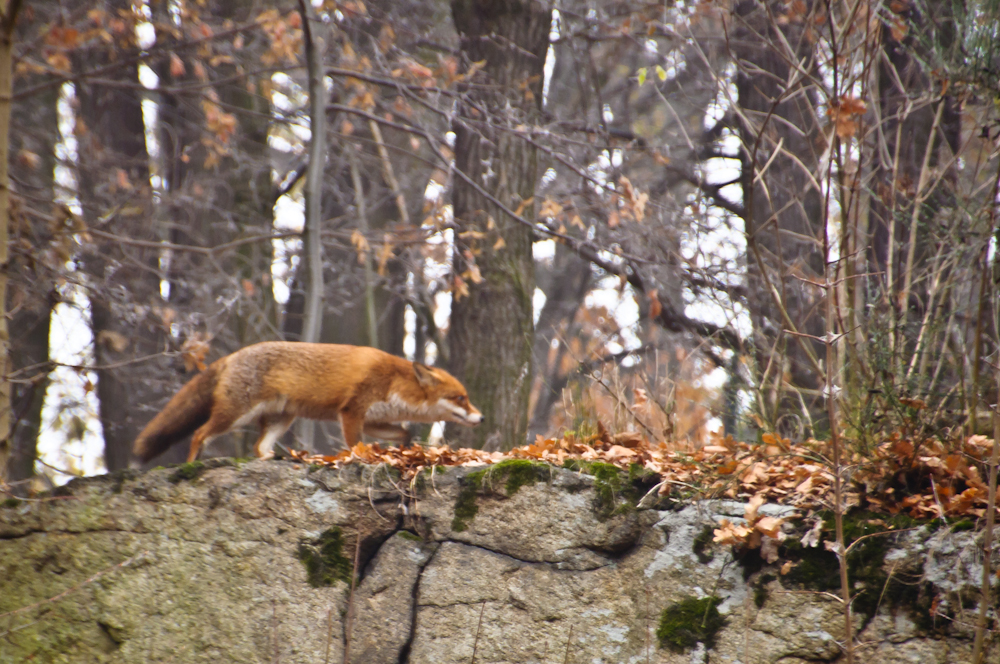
(655, 308)
(194, 351)
(176, 66)
(361, 245)
(114, 340)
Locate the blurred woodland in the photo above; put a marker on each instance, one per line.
(669, 218)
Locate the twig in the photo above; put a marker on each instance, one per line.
(475, 644)
(647, 628)
(829, 275)
(359, 203)
(69, 591)
(937, 501)
(350, 600)
(275, 657)
(389, 174)
(978, 651)
(918, 202)
(329, 633)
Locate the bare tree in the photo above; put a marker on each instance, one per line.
(8, 18)
(113, 176)
(491, 333)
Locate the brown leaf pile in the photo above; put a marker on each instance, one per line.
(756, 532)
(924, 479)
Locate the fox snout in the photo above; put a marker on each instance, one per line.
(473, 417)
(461, 411)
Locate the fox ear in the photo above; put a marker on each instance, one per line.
(425, 375)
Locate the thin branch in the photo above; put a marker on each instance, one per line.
(79, 586)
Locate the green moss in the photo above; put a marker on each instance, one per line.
(701, 543)
(760, 592)
(187, 471)
(407, 535)
(617, 492)
(324, 559)
(607, 483)
(512, 473)
(964, 524)
(313, 467)
(871, 585)
(118, 478)
(10, 502)
(691, 621)
(465, 504)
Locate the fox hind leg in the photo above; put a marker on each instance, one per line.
(271, 429)
(203, 435)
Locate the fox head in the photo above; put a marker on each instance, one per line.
(447, 396)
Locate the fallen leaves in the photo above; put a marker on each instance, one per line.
(922, 479)
(757, 532)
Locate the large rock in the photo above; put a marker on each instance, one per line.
(251, 562)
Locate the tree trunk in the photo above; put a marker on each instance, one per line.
(491, 334)
(32, 294)
(7, 21)
(784, 211)
(127, 327)
(917, 125)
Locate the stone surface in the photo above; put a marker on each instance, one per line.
(213, 573)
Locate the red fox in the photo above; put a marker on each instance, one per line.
(273, 382)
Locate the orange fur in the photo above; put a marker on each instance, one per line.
(273, 382)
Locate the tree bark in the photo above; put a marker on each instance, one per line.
(7, 21)
(32, 294)
(312, 244)
(124, 300)
(784, 210)
(919, 126)
(491, 334)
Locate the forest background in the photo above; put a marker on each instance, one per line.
(670, 218)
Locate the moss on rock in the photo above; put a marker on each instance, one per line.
(407, 535)
(618, 492)
(871, 584)
(512, 473)
(702, 544)
(324, 559)
(187, 471)
(689, 622)
(760, 591)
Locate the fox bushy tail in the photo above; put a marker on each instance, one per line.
(185, 412)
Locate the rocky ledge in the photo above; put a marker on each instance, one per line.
(228, 561)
